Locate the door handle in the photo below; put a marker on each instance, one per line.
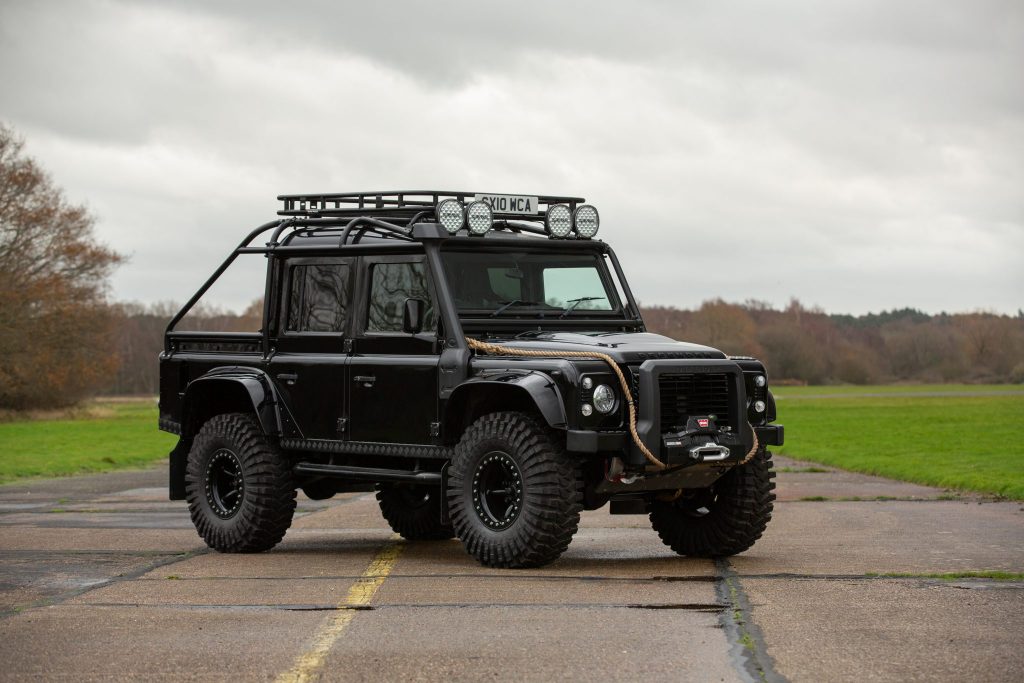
(288, 377)
(365, 380)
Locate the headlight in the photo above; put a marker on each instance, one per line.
(479, 218)
(451, 215)
(587, 221)
(760, 381)
(559, 221)
(604, 398)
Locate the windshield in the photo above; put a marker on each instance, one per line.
(522, 282)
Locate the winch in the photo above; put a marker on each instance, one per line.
(702, 440)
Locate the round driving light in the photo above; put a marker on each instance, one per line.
(587, 410)
(588, 383)
(558, 221)
(759, 406)
(604, 398)
(451, 215)
(587, 220)
(760, 381)
(478, 218)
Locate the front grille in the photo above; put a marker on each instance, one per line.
(685, 394)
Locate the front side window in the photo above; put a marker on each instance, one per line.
(317, 297)
(390, 285)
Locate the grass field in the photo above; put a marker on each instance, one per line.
(959, 441)
(896, 389)
(974, 443)
(109, 435)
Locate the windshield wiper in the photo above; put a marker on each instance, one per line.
(573, 303)
(515, 302)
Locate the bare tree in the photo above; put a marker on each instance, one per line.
(56, 330)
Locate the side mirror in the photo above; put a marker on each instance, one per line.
(412, 315)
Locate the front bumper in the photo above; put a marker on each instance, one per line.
(589, 442)
(770, 435)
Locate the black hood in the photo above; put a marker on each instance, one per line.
(624, 347)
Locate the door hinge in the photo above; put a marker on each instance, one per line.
(435, 428)
(342, 424)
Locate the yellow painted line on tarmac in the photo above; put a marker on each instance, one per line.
(309, 663)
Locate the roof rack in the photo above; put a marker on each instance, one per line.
(401, 206)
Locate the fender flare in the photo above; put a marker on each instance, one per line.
(254, 384)
(537, 387)
(234, 386)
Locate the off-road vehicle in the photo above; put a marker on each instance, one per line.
(479, 360)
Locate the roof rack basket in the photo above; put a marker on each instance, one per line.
(398, 206)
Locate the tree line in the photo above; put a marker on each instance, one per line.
(798, 344)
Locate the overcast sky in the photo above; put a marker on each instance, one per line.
(857, 155)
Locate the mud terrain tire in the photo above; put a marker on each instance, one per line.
(239, 487)
(724, 520)
(514, 494)
(414, 512)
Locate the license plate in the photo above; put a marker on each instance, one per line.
(509, 203)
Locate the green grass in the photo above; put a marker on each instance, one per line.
(119, 435)
(974, 443)
(852, 390)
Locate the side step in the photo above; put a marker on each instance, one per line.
(366, 473)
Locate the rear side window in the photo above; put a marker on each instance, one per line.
(390, 285)
(317, 299)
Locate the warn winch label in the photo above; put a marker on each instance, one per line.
(509, 203)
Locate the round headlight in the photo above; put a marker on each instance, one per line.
(558, 221)
(604, 398)
(451, 215)
(587, 220)
(759, 381)
(478, 218)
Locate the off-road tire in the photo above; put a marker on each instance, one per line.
(414, 512)
(239, 487)
(543, 494)
(739, 507)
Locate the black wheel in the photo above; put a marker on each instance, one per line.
(514, 494)
(723, 520)
(414, 512)
(238, 485)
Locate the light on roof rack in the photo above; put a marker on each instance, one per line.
(558, 220)
(479, 218)
(451, 215)
(587, 220)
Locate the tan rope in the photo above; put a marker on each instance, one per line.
(478, 345)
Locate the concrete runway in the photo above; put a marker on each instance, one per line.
(102, 578)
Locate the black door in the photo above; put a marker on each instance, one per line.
(393, 374)
(309, 364)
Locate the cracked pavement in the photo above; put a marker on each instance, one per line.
(102, 577)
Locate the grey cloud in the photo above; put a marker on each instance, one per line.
(839, 153)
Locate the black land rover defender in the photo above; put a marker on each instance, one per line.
(480, 362)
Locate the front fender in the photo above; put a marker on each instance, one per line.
(507, 390)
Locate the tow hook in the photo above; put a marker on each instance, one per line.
(615, 473)
(709, 452)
